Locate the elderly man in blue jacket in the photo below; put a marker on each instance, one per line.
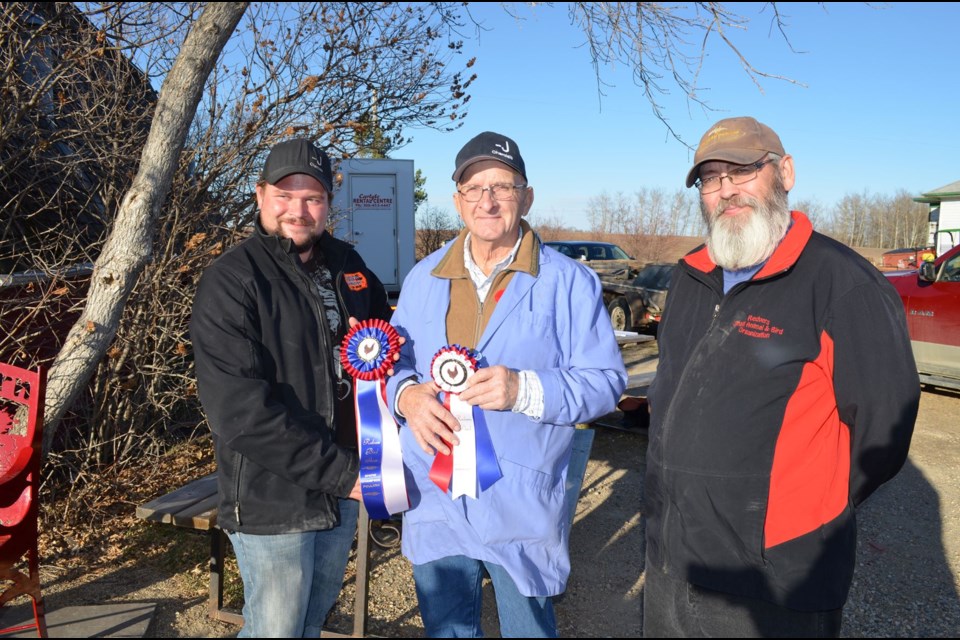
(508, 347)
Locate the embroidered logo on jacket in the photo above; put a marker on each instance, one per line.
(757, 327)
(356, 281)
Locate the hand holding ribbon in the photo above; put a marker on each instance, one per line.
(367, 354)
(473, 460)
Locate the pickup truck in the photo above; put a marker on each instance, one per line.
(931, 299)
(636, 304)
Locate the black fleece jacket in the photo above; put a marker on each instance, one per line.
(266, 378)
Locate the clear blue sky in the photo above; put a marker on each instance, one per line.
(878, 112)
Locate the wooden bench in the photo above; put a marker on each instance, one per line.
(194, 506)
(631, 337)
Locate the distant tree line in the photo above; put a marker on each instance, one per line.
(881, 221)
(857, 220)
(644, 222)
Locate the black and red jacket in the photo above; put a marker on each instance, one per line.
(777, 408)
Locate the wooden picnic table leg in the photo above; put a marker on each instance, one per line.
(362, 573)
(218, 548)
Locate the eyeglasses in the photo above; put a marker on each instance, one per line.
(474, 193)
(740, 175)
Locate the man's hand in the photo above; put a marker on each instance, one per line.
(493, 388)
(356, 493)
(432, 425)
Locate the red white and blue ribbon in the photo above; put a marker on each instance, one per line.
(367, 354)
(472, 465)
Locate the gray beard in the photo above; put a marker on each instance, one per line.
(737, 242)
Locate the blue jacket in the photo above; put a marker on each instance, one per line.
(553, 322)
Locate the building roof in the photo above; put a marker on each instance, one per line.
(946, 192)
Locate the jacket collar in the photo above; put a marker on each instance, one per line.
(527, 259)
(274, 242)
(784, 256)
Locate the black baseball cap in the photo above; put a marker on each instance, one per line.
(298, 156)
(490, 146)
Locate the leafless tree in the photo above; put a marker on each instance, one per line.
(685, 216)
(549, 227)
(812, 208)
(75, 119)
(435, 227)
(870, 220)
(644, 222)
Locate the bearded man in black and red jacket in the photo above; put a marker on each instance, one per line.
(786, 393)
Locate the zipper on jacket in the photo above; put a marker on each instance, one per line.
(236, 490)
(345, 314)
(324, 332)
(477, 325)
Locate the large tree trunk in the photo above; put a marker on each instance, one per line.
(129, 246)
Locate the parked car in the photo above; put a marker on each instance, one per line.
(931, 299)
(605, 258)
(638, 304)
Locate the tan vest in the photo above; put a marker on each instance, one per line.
(467, 317)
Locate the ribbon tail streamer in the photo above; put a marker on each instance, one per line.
(488, 469)
(465, 453)
(377, 457)
(442, 468)
(394, 485)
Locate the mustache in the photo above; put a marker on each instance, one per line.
(735, 201)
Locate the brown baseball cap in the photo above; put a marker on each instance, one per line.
(738, 140)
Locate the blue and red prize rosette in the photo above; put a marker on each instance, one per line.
(472, 461)
(367, 354)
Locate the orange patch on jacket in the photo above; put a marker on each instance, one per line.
(356, 281)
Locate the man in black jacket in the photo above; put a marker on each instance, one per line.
(267, 320)
(786, 393)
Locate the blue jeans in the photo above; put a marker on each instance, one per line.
(450, 598)
(674, 608)
(292, 580)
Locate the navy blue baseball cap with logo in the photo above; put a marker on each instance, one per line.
(490, 146)
(298, 156)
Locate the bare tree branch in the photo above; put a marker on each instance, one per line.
(665, 45)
